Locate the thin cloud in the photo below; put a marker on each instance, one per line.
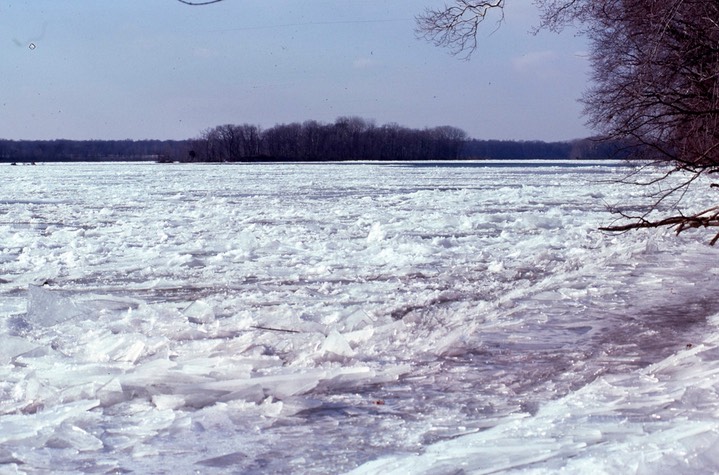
(363, 63)
(535, 62)
(205, 53)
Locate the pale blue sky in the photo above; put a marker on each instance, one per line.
(160, 69)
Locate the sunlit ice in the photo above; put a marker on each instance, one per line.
(375, 318)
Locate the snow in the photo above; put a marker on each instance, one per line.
(362, 318)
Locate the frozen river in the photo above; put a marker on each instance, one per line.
(295, 318)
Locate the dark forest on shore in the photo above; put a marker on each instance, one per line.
(346, 139)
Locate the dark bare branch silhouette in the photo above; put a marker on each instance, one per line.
(655, 81)
(456, 26)
(207, 2)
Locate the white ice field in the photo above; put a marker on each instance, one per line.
(349, 317)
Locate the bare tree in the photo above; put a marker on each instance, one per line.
(655, 82)
(250, 138)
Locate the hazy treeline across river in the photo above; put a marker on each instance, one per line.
(346, 139)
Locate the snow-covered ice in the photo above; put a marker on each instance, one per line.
(371, 318)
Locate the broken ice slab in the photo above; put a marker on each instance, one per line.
(12, 347)
(279, 386)
(25, 426)
(337, 345)
(199, 312)
(68, 436)
(47, 307)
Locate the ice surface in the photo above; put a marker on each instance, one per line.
(12, 346)
(46, 308)
(660, 419)
(337, 345)
(199, 312)
(376, 318)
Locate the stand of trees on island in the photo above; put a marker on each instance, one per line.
(348, 138)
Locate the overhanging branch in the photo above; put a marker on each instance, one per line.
(706, 219)
(456, 26)
(207, 2)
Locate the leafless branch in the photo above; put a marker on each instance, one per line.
(456, 27)
(207, 2)
(705, 219)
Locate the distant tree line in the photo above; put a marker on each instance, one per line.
(91, 150)
(581, 149)
(348, 138)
